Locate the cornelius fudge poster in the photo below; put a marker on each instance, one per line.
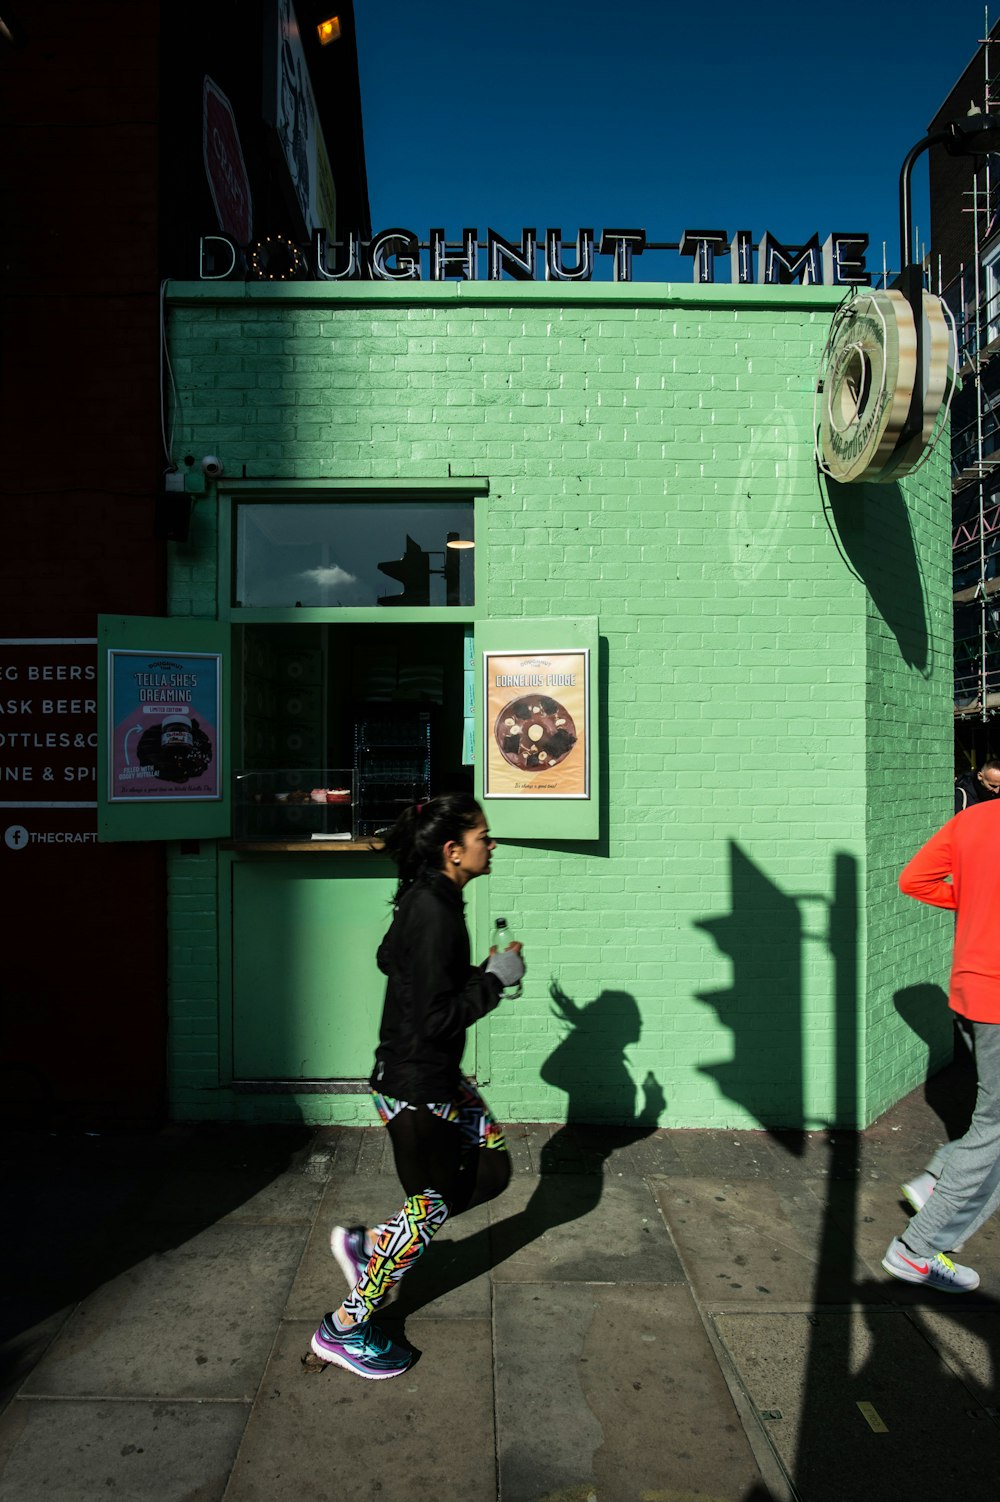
(536, 725)
(164, 726)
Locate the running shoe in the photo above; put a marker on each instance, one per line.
(918, 1190)
(365, 1350)
(347, 1243)
(935, 1272)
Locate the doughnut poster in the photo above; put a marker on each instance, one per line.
(535, 735)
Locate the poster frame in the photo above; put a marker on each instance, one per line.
(117, 707)
(492, 755)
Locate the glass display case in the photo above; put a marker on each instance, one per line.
(392, 764)
(311, 805)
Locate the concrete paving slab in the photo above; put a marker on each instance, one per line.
(374, 1153)
(969, 1342)
(755, 1242)
(564, 1228)
(74, 1451)
(738, 1154)
(536, 1135)
(196, 1322)
(186, 1197)
(515, 1135)
(853, 1400)
(877, 1214)
(608, 1393)
(729, 1155)
(444, 1281)
(655, 1154)
(426, 1436)
(21, 1352)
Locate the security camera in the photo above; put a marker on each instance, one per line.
(211, 467)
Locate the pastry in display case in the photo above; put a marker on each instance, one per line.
(295, 804)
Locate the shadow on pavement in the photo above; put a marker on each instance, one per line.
(869, 1370)
(589, 1064)
(81, 1208)
(951, 1094)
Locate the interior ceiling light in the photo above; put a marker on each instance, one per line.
(459, 542)
(328, 31)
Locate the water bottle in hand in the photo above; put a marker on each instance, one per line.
(502, 939)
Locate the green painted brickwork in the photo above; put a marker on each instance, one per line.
(909, 645)
(777, 734)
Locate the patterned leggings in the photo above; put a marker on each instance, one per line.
(449, 1156)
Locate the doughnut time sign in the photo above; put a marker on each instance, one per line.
(884, 386)
(398, 255)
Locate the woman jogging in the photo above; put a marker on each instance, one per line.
(450, 1154)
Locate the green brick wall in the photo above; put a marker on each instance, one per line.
(906, 557)
(775, 660)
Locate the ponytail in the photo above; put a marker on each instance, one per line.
(416, 841)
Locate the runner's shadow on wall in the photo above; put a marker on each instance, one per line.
(602, 1118)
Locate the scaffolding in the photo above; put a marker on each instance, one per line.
(974, 299)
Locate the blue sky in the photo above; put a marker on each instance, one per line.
(655, 115)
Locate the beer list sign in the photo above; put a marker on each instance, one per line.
(48, 742)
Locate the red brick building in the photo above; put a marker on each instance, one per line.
(105, 190)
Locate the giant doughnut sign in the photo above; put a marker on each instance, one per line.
(866, 385)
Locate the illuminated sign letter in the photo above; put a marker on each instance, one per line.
(844, 260)
(555, 271)
(323, 271)
(402, 244)
(702, 245)
(447, 260)
(621, 243)
(502, 255)
(208, 259)
(741, 257)
(781, 263)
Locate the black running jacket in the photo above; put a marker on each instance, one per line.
(434, 993)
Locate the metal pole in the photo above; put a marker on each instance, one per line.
(905, 201)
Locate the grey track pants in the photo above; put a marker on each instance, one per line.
(968, 1190)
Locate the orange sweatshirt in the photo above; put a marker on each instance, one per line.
(966, 849)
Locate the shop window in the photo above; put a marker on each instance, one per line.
(351, 554)
(378, 714)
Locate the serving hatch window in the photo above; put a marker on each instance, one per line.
(343, 554)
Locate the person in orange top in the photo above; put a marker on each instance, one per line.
(956, 1194)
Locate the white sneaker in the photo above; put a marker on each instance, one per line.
(918, 1190)
(936, 1272)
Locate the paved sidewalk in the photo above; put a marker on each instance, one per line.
(688, 1317)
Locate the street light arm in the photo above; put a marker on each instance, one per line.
(905, 202)
(973, 135)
